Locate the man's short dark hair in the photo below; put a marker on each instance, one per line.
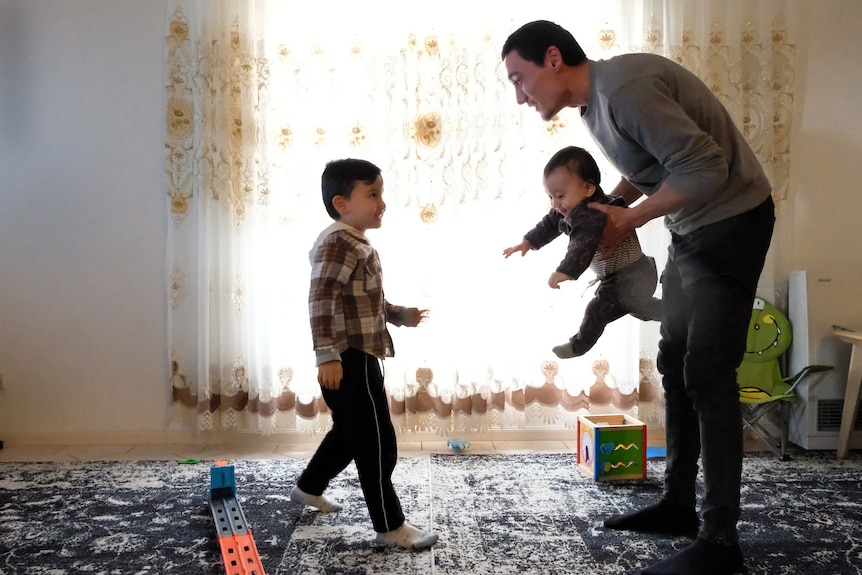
(532, 40)
(340, 177)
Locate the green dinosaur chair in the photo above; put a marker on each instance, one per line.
(762, 388)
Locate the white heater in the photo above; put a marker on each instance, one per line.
(817, 301)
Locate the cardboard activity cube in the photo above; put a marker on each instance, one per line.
(612, 447)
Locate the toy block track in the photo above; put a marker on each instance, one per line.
(238, 550)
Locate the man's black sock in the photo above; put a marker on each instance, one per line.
(663, 518)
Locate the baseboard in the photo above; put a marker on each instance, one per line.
(655, 437)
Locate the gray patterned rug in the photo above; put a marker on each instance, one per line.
(496, 514)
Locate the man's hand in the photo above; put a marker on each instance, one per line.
(523, 247)
(623, 221)
(556, 279)
(329, 374)
(617, 228)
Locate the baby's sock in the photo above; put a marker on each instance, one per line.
(408, 537)
(319, 502)
(565, 350)
(663, 518)
(701, 558)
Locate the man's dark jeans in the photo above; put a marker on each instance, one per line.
(708, 289)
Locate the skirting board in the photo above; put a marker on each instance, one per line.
(655, 437)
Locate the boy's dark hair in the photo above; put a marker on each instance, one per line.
(578, 161)
(340, 177)
(532, 40)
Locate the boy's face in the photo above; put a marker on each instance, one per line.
(566, 190)
(364, 208)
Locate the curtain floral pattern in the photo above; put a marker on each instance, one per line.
(260, 97)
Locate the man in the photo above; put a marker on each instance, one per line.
(673, 141)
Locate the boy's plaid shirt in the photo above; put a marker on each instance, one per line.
(345, 302)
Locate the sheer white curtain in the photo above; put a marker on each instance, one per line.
(256, 107)
(217, 180)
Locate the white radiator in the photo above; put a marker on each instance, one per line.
(816, 302)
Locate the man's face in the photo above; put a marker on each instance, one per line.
(536, 86)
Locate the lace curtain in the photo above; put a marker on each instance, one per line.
(260, 95)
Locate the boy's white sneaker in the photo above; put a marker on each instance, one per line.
(408, 537)
(319, 502)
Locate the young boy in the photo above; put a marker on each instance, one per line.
(627, 280)
(348, 315)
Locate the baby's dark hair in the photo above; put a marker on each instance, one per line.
(340, 177)
(578, 161)
(532, 40)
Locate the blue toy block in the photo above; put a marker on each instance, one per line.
(222, 479)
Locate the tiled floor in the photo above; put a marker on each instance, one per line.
(252, 451)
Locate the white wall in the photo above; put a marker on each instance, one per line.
(822, 227)
(82, 217)
(83, 343)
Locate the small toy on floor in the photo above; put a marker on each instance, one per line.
(458, 445)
